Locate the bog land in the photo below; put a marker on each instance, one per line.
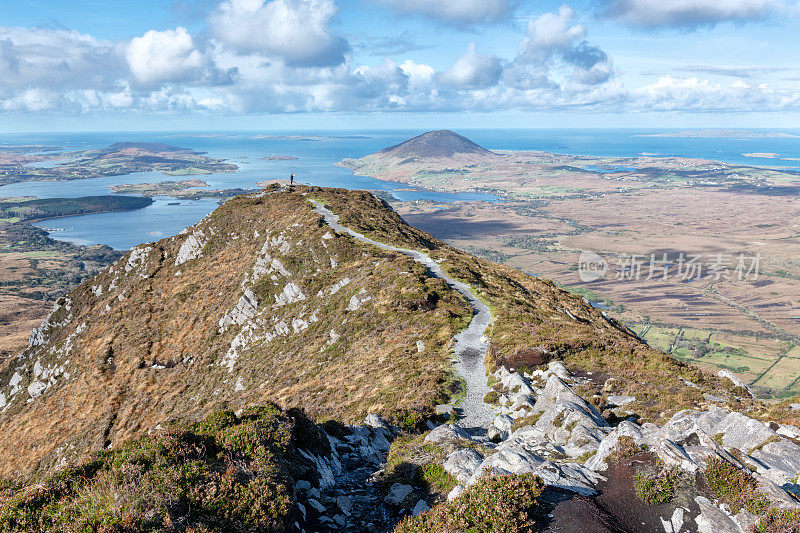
(737, 226)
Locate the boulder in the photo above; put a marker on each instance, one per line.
(516, 384)
(495, 435)
(608, 445)
(398, 493)
(503, 423)
(616, 400)
(675, 523)
(447, 432)
(792, 432)
(779, 497)
(557, 368)
(345, 504)
(462, 464)
(375, 421)
(445, 410)
(316, 505)
(779, 461)
(712, 519)
(455, 493)
(737, 382)
(573, 477)
(507, 460)
(419, 508)
(556, 391)
(742, 432)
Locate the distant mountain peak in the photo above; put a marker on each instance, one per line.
(439, 143)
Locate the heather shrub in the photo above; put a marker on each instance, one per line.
(735, 487)
(226, 473)
(495, 504)
(526, 358)
(625, 447)
(739, 490)
(659, 488)
(779, 521)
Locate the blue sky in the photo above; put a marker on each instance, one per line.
(306, 64)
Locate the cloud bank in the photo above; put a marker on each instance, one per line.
(456, 12)
(285, 56)
(688, 14)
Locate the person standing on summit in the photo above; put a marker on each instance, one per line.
(291, 181)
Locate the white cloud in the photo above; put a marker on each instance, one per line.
(417, 71)
(553, 31)
(60, 59)
(33, 100)
(163, 56)
(458, 12)
(472, 71)
(688, 13)
(669, 93)
(553, 44)
(295, 31)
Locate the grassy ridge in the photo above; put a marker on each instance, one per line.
(536, 321)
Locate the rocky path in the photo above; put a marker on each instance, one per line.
(470, 345)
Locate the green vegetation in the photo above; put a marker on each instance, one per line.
(227, 473)
(33, 209)
(492, 397)
(625, 447)
(525, 421)
(659, 488)
(536, 243)
(735, 487)
(501, 504)
(413, 461)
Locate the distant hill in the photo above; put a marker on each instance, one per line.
(149, 147)
(443, 150)
(440, 143)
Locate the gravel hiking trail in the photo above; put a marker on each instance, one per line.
(470, 345)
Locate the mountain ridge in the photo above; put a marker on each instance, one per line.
(266, 303)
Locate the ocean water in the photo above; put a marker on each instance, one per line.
(317, 153)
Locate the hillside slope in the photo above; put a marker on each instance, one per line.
(261, 302)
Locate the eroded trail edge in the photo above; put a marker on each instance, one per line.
(470, 345)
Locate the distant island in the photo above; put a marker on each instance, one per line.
(183, 189)
(281, 158)
(19, 164)
(723, 134)
(31, 209)
(266, 137)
